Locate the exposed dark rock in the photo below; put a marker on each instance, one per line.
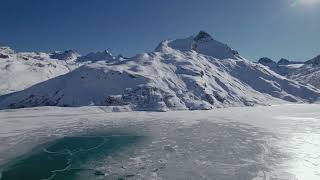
(3, 56)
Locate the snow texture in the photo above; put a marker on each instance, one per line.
(184, 74)
(160, 82)
(225, 144)
(304, 72)
(19, 71)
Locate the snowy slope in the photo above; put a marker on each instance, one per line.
(282, 67)
(227, 144)
(22, 70)
(307, 72)
(314, 61)
(171, 78)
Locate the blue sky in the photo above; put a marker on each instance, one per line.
(256, 28)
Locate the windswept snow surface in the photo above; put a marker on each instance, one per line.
(254, 143)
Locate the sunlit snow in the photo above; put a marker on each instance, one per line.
(231, 143)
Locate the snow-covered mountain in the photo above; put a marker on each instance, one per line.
(193, 73)
(281, 67)
(22, 70)
(69, 55)
(314, 62)
(307, 72)
(203, 43)
(97, 56)
(284, 61)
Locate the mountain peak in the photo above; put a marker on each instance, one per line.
(266, 60)
(6, 50)
(202, 43)
(202, 35)
(284, 61)
(97, 56)
(315, 61)
(68, 55)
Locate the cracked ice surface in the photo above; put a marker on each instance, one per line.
(256, 143)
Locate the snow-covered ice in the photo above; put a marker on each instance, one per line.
(255, 143)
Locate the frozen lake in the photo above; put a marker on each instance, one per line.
(63, 159)
(255, 143)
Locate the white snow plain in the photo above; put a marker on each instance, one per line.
(243, 143)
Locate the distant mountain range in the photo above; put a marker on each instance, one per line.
(197, 72)
(305, 72)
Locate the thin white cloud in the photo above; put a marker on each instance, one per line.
(304, 2)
